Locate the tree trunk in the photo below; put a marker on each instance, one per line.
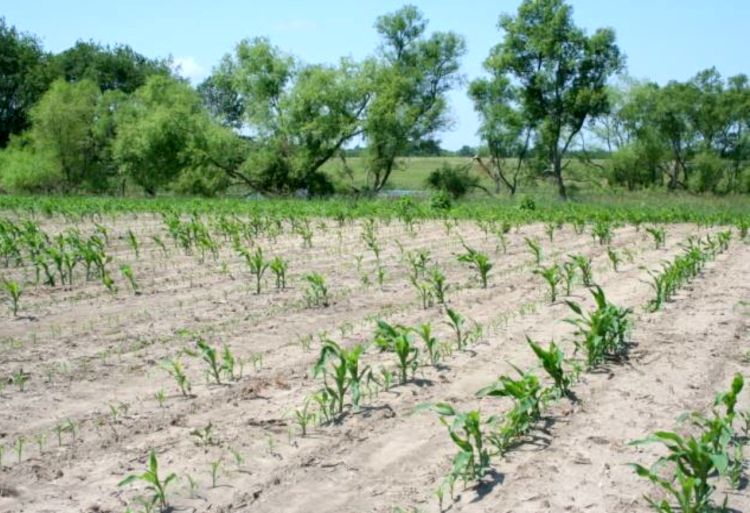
(559, 176)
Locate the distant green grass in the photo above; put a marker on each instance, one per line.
(411, 173)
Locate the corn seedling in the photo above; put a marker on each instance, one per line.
(602, 332)
(695, 460)
(154, 483)
(457, 322)
(14, 291)
(569, 276)
(304, 417)
(215, 466)
(553, 277)
(472, 462)
(133, 241)
(160, 397)
(614, 258)
(584, 265)
(407, 354)
(479, 262)
(210, 355)
(279, 268)
(424, 290)
(602, 231)
(527, 395)
(18, 446)
(536, 250)
(317, 291)
(549, 229)
(175, 369)
(19, 378)
(344, 371)
(431, 343)
(204, 436)
(257, 265)
(439, 285)
(659, 236)
(127, 272)
(552, 360)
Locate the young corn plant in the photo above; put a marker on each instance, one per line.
(569, 276)
(133, 241)
(407, 354)
(424, 290)
(536, 250)
(317, 291)
(258, 266)
(430, 342)
(439, 284)
(553, 277)
(154, 483)
(457, 322)
(343, 367)
(279, 268)
(472, 462)
(696, 460)
(217, 364)
(601, 333)
(659, 235)
(527, 395)
(14, 291)
(175, 369)
(602, 231)
(477, 261)
(552, 360)
(549, 229)
(583, 263)
(614, 258)
(127, 272)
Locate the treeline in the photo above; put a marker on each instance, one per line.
(107, 119)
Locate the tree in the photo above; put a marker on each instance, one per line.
(222, 100)
(23, 79)
(111, 68)
(561, 72)
(163, 132)
(503, 128)
(410, 80)
(72, 125)
(297, 116)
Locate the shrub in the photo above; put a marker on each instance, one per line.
(23, 170)
(455, 180)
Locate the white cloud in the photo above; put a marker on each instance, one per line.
(189, 68)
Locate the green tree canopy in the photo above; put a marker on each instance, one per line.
(561, 73)
(111, 68)
(409, 81)
(23, 79)
(296, 115)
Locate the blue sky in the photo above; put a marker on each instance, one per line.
(663, 39)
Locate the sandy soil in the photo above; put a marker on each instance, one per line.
(94, 359)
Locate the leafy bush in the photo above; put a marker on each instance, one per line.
(707, 173)
(24, 170)
(440, 200)
(455, 180)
